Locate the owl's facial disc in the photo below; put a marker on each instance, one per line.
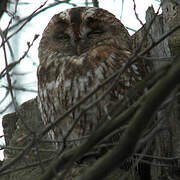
(78, 30)
(77, 33)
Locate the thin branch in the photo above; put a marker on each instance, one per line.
(27, 20)
(69, 141)
(40, 11)
(18, 157)
(9, 67)
(137, 14)
(167, 59)
(157, 164)
(10, 84)
(35, 164)
(5, 96)
(21, 89)
(38, 155)
(2, 147)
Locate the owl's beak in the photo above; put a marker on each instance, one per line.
(76, 44)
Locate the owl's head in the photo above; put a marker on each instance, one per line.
(77, 30)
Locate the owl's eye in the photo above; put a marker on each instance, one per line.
(62, 37)
(95, 33)
(91, 20)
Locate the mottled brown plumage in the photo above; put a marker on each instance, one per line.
(79, 49)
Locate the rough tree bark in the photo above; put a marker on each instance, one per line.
(167, 142)
(17, 135)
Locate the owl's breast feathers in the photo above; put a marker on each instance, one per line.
(66, 80)
(86, 71)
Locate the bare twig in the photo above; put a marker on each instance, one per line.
(21, 89)
(27, 20)
(136, 13)
(9, 67)
(35, 164)
(167, 59)
(22, 148)
(40, 11)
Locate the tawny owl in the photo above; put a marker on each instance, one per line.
(79, 49)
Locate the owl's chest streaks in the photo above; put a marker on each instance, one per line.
(74, 77)
(66, 80)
